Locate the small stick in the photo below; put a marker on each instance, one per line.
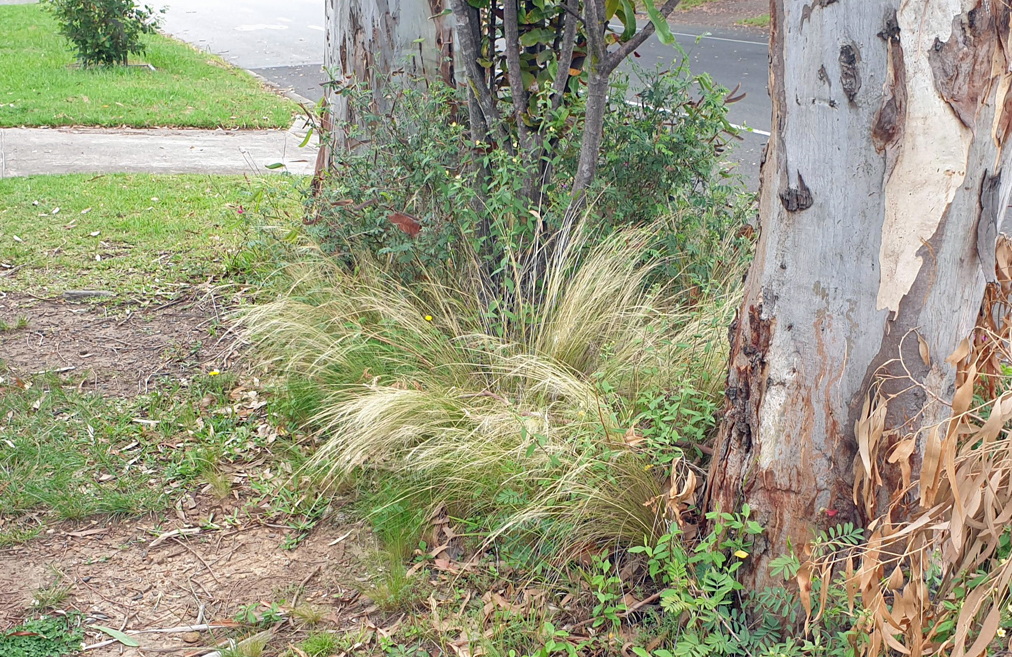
(339, 539)
(182, 628)
(175, 532)
(200, 558)
(302, 585)
(11, 271)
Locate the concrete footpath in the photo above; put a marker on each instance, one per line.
(34, 151)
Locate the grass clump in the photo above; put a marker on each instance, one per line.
(20, 323)
(321, 644)
(517, 417)
(43, 86)
(50, 597)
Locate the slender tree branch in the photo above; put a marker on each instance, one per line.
(615, 58)
(574, 12)
(476, 74)
(595, 11)
(511, 35)
(566, 52)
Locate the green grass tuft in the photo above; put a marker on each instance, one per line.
(43, 86)
(762, 20)
(321, 644)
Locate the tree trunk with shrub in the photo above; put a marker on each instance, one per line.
(882, 188)
(370, 41)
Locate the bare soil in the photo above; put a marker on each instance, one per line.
(135, 576)
(115, 353)
(723, 13)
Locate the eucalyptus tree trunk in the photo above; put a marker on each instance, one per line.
(881, 191)
(369, 41)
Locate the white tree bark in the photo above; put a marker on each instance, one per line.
(368, 41)
(888, 158)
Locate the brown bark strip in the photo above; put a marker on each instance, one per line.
(962, 65)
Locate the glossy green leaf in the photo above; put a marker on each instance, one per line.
(309, 135)
(628, 18)
(536, 36)
(660, 23)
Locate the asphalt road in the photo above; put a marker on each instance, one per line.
(283, 41)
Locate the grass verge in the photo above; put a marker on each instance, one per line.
(142, 235)
(44, 87)
(692, 4)
(762, 20)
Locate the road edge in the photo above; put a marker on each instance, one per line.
(287, 93)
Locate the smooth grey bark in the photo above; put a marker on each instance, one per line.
(368, 41)
(890, 128)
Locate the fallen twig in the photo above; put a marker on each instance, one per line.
(340, 538)
(56, 371)
(10, 271)
(204, 627)
(302, 585)
(200, 558)
(161, 538)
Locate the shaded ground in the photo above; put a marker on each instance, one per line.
(115, 354)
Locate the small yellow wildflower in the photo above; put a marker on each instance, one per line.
(1001, 632)
(428, 318)
(213, 373)
(741, 554)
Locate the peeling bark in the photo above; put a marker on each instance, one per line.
(368, 41)
(873, 198)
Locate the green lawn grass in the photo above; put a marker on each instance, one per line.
(134, 234)
(692, 4)
(40, 84)
(69, 455)
(65, 454)
(762, 20)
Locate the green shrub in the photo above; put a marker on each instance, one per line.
(104, 32)
(413, 190)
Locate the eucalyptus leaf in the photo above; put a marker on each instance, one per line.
(116, 634)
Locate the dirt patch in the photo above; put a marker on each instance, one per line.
(114, 354)
(121, 574)
(724, 13)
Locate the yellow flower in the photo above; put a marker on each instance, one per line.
(428, 318)
(1001, 632)
(213, 373)
(741, 554)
